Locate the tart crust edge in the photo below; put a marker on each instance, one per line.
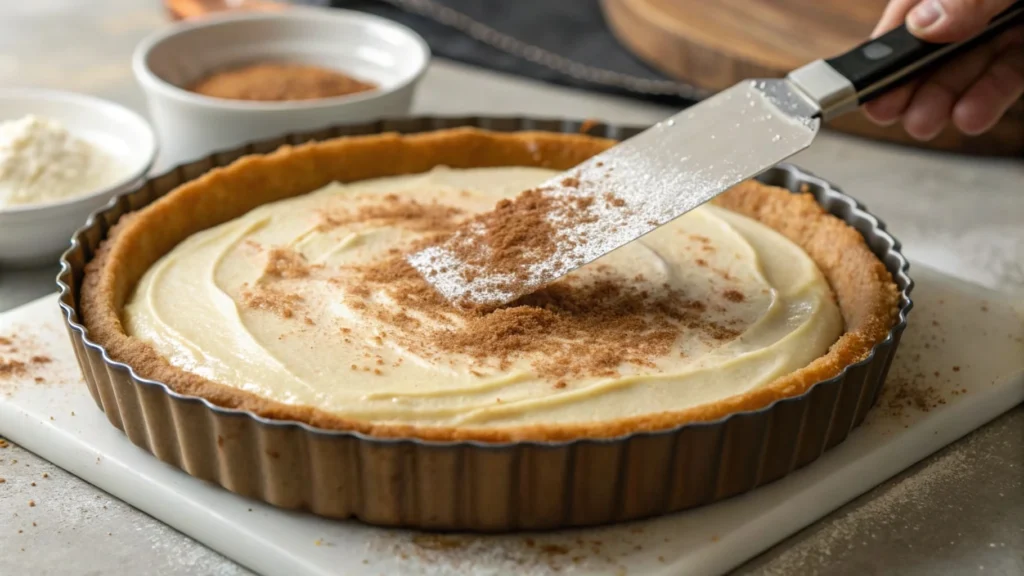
(863, 288)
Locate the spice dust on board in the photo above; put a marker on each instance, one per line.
(24, 360)
(19, 362)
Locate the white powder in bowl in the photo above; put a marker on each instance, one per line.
(41, 162)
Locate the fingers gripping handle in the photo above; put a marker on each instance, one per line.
(874, 68)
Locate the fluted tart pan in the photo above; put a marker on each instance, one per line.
(472, 485)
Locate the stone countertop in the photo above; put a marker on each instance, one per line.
(956, 512)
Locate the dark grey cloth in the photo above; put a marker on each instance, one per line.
(574, 29)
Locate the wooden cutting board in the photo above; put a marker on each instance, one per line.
(717, 44)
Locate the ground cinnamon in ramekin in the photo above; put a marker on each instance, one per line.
(278, 82)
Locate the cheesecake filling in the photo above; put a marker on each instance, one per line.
(309, 301)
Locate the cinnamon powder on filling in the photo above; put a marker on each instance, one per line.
(270, 299)
(734, 295)
(573, 328)
(398, 211)
(286, 263)
(590, 323)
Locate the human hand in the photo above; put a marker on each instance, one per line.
(974, 90)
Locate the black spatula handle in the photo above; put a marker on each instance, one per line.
(879, 65)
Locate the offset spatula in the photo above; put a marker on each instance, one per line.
(684, 161)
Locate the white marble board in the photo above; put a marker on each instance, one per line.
(954, 324)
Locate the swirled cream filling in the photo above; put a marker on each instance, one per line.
(307, 301)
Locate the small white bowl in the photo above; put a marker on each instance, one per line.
(191, 125)
(37, 233)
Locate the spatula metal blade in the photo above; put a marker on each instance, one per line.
(654, 177)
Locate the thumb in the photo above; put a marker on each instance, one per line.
(952, 20)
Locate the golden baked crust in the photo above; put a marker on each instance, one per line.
(864, 290)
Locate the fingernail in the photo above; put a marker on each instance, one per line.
(883, 122)
(925, 15)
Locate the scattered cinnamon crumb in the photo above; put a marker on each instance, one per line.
(614, 200)
(956, 368)
(11, 368)
(271, 299)
(31, 503)
(394, 211)
(911, 393)
(734, 295)
(286, 263)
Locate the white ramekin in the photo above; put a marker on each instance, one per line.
(191, 125)
(37, 233)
